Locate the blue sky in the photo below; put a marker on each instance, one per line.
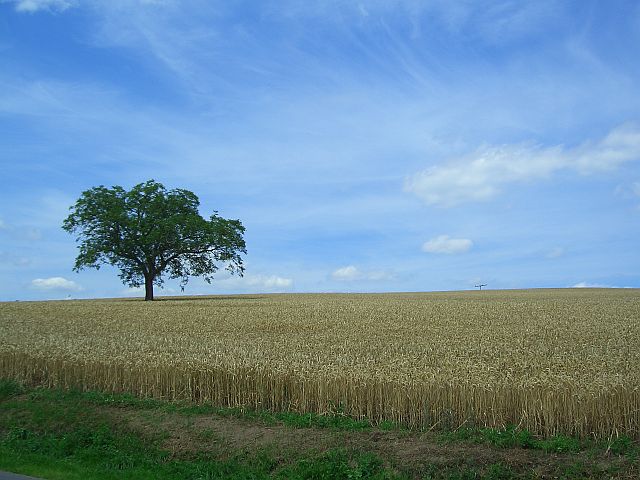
(366, 146)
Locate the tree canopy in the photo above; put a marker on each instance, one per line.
(149, 231)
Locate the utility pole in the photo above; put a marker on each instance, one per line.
(479, 286)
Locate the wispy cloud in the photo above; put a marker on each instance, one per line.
(14, 260)
(499, 22)
(248, 283)
(55, 283)
(481, 175)
(447, 245)
(269, 281)
(349, 272)
(322, 109)
(555, 252)
(21, 232)
(593, 285)
(32, 6)
(352, 273)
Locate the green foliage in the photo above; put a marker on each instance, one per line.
(498, 471)
(622, 446)
(126, 400)
(311, 420)
(512, 437)
(103, 448)
(494, 471)
(99, 444)
(149, 231)
(574, 470)
(560, 444)
(336, 464)
(388, 425)
(9, 388)
(509, 437)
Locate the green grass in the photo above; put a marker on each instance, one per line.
(336, 421)
(511, 437)
(98, 451)
(52, 433)
(66, 434)
(111, 461)
(494, 471)
(9, 388)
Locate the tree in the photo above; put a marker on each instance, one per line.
(149, 231)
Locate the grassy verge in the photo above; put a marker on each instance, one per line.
(60, 434)
(511, 437)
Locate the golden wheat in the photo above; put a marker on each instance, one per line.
(551, 361)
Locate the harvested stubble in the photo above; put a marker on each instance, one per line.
(551, 361)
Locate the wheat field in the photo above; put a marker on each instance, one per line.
(551, 361)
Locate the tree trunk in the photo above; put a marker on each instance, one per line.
(148, 287)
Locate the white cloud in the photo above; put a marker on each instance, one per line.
(481, 175)
(32, 6)
(628, 191)
(270, 282)
(55, 283)
(8, 259)
(250, 283)
(594, 285)
(346, 273)
(591, 285)
(555, 252)
(588, 285)
(448, 245)
(350, 273)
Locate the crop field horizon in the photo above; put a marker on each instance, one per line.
(547, 360)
